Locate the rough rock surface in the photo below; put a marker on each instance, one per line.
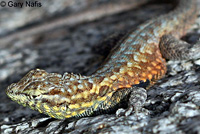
(173, 103)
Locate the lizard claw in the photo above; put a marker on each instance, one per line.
(131, 110)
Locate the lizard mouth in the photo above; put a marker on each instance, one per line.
(12, 92)
(25, 90)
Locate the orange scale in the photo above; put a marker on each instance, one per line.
(143, 79)
(128, 85)
(149, 76)
(154, 63)
(120, 86)
(158, 60)
(121, 79)
(143, 74)
(158, 67)
(136, 82)
(149, 68)
(154, 72)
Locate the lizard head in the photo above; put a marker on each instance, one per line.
(38, 87)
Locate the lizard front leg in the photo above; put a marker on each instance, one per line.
(138, 96)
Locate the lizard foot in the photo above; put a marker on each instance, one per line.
(137, 99)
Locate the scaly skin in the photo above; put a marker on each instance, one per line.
(137, 62)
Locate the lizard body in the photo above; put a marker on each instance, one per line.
(137, 62)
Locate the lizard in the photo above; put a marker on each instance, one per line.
(126, 75)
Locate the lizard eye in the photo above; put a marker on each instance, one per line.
(34, 96)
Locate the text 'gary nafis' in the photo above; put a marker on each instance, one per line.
(24, 4)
